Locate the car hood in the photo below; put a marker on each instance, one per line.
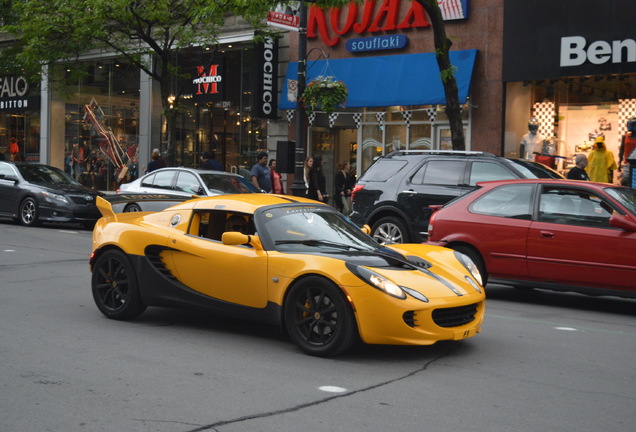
(68, 189)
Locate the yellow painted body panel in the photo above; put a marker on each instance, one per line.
(253, 277)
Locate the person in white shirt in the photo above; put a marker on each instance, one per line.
(532, 142)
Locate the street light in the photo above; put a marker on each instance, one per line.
(298, 186)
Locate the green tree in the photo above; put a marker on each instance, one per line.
(447, 72)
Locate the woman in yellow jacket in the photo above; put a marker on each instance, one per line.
(601, 164)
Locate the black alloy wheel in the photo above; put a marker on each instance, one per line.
(389, 230)
(29, 212)
(318, 318)
(115, 287)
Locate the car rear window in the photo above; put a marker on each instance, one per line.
(383, 170)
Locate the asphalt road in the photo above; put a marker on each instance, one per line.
(544, 362)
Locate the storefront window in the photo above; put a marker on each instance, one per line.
(101, 130)
(420, 137)
(572, 113)
(219, 120)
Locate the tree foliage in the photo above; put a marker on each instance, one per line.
(152, 33)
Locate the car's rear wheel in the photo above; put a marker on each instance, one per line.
(318, 318)
(475, 256)
(115, 286)
(132, 207)
(389, 230)
(29, 212)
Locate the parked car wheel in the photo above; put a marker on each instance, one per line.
(132, 207)
(318, 318)
(29, 212)
(389, 230)
(115, 287)
(475, 256)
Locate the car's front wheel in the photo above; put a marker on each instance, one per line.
(390, 230)
(115, 286)
(29, 212)
(318, 318)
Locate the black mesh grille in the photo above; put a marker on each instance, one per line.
(455, 317)
(81, 200)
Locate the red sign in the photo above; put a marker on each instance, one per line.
(207, 83)
(363, 19)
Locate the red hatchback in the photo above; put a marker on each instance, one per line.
(555, 234)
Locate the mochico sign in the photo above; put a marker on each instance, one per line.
(208, 86)
(266, 102)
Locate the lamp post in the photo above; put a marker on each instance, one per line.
(298, 187)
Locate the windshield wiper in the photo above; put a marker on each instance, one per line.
(316, 242)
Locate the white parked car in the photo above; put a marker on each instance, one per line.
(188, 182)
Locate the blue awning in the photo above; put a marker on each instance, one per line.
(406, 79)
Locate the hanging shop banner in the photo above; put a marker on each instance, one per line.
(544, 39)
(266, 100)
(285, 16)
(208, 84)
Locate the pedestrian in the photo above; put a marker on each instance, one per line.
(578, 171)
(156, 162)
(601, 164)
(277, 184)
(342, 188)
(209, 162)
(309, 162)
(261, 176)
(317, 182)
(14, 150)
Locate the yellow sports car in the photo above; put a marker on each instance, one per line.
(288, 261)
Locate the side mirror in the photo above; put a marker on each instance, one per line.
(366, 229)
(14, 179)
(235, 238)
(622, 222)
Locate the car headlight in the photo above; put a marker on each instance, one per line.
(471, 267)
(55, 197)
(377, 281)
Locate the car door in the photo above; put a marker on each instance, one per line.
(435, 182)
(9, 190)
(189, 183)
(234, 274)
(572, 243)
(497, 224)
(159, 182)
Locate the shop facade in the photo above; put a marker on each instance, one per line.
(102, 127)
(572, 66)
(384, 52)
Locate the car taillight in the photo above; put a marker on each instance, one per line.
(356, 188)
(431, 222)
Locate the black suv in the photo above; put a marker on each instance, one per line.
(393, 196)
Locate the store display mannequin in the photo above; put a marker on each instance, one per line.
(601, 164)
(628, 145)
(532, 142)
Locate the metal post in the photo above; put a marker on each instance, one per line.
(298, 187)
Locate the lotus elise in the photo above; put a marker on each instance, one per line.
(288, 261)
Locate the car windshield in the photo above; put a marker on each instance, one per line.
(45, 175)
(532, 170)
(625, 196)
(311, 228)
(227, 184)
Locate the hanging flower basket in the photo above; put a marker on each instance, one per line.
(324, 93)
